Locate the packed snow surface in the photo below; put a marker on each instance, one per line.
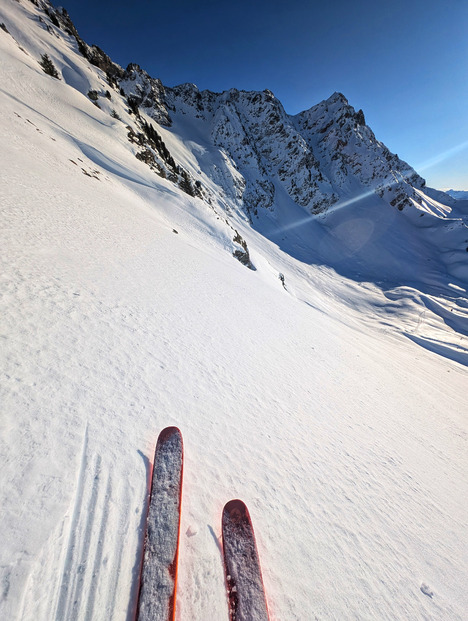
(327, 389)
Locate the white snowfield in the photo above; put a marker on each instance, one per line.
(333, 406)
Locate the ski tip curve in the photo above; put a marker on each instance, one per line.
(168, 432)
(235, 508)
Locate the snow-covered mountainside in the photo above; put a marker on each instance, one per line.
(461, 195)
(315, 157)
(321, 377)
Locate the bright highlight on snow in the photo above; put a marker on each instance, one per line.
(153, 275)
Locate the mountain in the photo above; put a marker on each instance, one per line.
(281, 287)
(315, 157)
(458, 194)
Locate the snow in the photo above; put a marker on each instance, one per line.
(458, 194)
(333, 406)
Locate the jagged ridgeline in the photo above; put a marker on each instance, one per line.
(315, 157)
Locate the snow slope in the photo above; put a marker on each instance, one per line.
(458, 194)
(334, 404)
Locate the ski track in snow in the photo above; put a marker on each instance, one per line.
(83, 561)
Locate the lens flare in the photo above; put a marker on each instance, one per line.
(345, 203)
(433, 161)
(336, 206)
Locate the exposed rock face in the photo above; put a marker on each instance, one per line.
(347, 149)
(316, 157)
(148, 93)
(93, 53)
(253, 128)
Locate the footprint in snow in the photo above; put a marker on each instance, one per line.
(427, 590)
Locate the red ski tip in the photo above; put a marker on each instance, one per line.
(236, 509)
(169, 431)
(246, 593)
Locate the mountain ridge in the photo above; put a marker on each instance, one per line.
(250, 125)
(310, 154)
(242, 154)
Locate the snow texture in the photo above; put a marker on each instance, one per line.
(157, 592)
(327, 388)
(242, 566)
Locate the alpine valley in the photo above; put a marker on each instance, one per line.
(282, 288)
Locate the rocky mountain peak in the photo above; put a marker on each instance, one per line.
(145, 92)
(337, 98)
(314, 157)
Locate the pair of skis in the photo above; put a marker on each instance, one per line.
(158, 584)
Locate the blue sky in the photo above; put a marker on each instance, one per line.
(405, 62)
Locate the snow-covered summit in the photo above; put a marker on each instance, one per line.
(349, 151)
(316, 156)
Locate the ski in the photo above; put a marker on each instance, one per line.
(246, 594)
(158, 583)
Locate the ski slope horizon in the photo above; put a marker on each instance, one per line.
(326, 387)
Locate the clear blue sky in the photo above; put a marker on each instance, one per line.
(404, 62)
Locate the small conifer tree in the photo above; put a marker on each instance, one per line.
(48, 66)
(184, 182)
